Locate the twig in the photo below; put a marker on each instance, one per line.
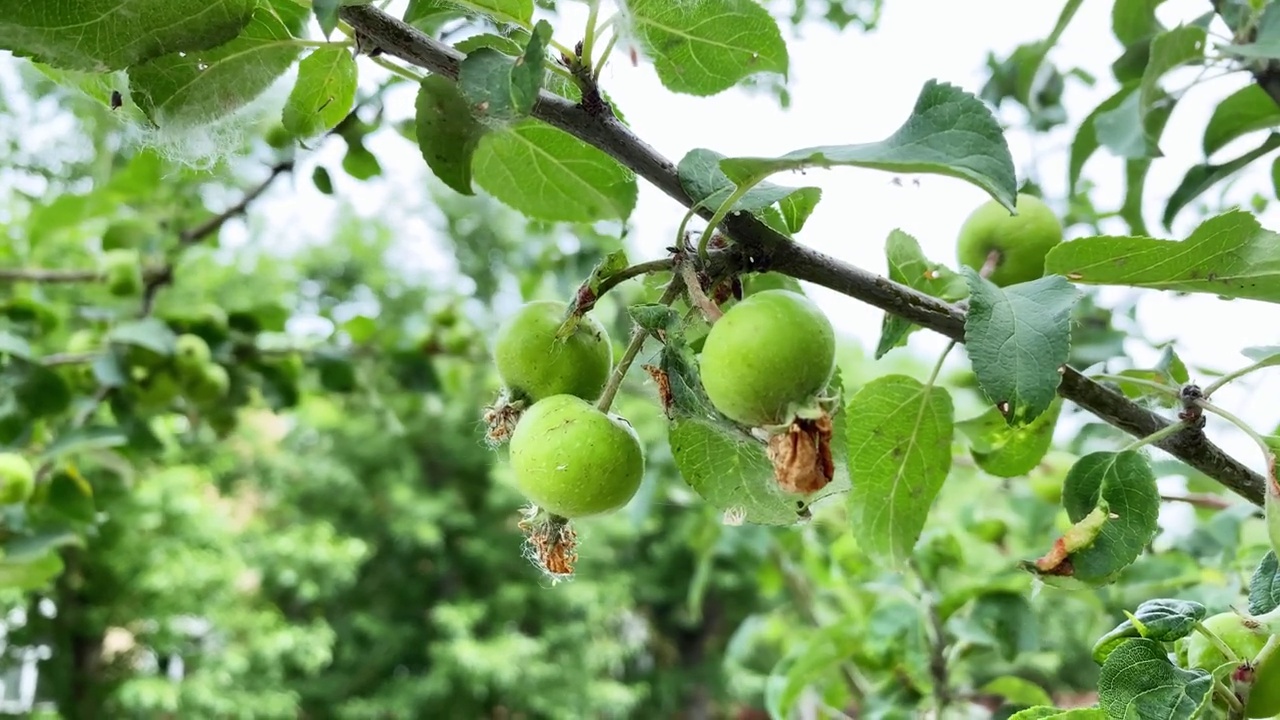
(42, 275)
(710, 311)
(638, 336)
(213, 224)
(644, 268)
(764, 248)
(1200, 500)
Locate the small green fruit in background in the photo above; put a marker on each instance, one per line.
(772, 350)
(533, 363)
(210, 384)
(572, 460)
(1023, 240)
(124, 271)
(17, 479)
(157, 391)
(1047, 487)
(278, 137)
(128, 234)
(191, 353)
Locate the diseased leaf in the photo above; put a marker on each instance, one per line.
(1162, 619)
(548, 174)
(323, 94)
(950, 132)
(1244, 111)
(447, 133)
(1200, 178)
(1124, 481)
(192, 88)
(1139, 677)
(899, 434)
(1018, 338)
(706, 183)
(706, 47)
(909, 266)
(107, 35)
(1230, 255)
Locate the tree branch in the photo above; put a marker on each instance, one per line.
(42, 275)
(765, 249)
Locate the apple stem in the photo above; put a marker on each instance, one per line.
(1217, 642)
(993, 261)
(709, 309)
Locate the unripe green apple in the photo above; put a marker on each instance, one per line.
(210, 384)
(772, 350)
(1246, 643)
(17, 479)
(157, 391)
(124, 271)
(536, 365)
(572, 460)
(1047, 487)
(129, 234)
(191, 353)
(1021, 240)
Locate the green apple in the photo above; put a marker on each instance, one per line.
(1020, 241)
(535, 364)
(17, 479)
(772, 351)
(573, 460)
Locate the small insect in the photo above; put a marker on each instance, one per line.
(117, 100)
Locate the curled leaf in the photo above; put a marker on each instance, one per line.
(801, 455)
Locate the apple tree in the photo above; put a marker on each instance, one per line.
(762, 420)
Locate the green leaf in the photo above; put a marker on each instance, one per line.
(501, 43)
(448, 134)
(1086, 141)
(707, 47)
(82, 439)
(337, 373)
(1230, 255)
(1264, 586)
(701, 177)
(1162, 620)
(899, 434)
(1125, 130)
(192, 88)
(1200, 178)
(323, 94)
(1138, 676)
(1015, 451)
(548, 174)
(503, 88)
(731, 473)
(1175, 48)
(42, 392)
(1244, 111)
(1016, 691)
(1135, 20)
(1264, 355)
(71, 496)
(1124, 481)
(326, 14)
(508, 12)
(32, 573)
(14, 346)
(1029, 75)
(150, 333)
(1266, 39)
(106, 35)
(1018, 339)
(909, 266)
(950, 132)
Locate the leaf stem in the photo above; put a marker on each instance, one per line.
(1216, 385)
(721, 212)
(1156, 436)
(598, 65)
(1217, 642)
(589, 36)
(1244, 427)
(937, 367)
(638, 336)
(322, 43)
(1151, 384)
(397, 69)
(644, 268)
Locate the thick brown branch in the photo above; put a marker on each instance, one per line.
(765, 249)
